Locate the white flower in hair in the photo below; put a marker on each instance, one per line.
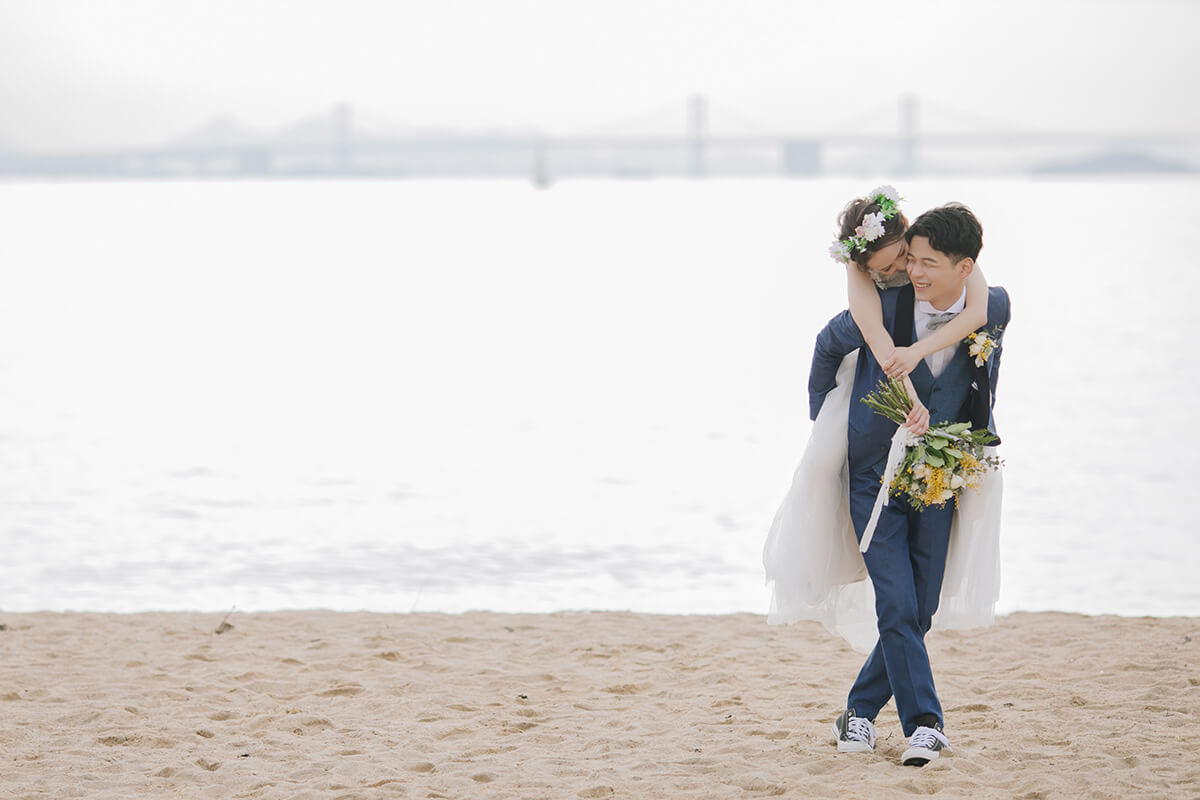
(887, 191)
(839, 252)
(872, 226)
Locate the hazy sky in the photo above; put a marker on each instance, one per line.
(81, 73)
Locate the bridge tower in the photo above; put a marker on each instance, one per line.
(697, 136)
(908, 157)
(342, 136)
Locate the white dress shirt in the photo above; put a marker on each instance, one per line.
(922, 312)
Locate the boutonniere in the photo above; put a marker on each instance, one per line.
(982, 344)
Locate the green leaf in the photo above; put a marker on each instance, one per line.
(935, 443)
(950, 451)
(934, 460)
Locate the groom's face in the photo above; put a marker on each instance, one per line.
(935, 278)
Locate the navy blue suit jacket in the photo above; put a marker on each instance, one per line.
(947, 397)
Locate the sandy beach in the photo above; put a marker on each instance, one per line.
(576, 705)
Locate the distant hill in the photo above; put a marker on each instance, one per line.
(316, 130)
(1114, 162)
(220, 131)
(325, 129)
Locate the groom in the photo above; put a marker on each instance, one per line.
(906, 558)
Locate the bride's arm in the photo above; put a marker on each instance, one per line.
(867, 311)
(904, 360)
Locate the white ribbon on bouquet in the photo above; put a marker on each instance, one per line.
(900, 442)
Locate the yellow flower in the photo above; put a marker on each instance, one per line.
(981, 347)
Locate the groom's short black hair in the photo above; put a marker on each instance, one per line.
(951, 229)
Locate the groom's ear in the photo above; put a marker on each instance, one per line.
(965, 267)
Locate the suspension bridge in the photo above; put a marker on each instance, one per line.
(695, 139)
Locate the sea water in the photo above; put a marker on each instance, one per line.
(423, 395)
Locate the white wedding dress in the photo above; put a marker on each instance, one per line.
(811, 553)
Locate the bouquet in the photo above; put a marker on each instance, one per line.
(937, 466)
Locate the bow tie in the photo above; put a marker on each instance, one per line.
(939, 318)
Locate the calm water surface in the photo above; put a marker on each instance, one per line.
(452, 395)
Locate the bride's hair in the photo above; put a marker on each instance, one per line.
(852, 216)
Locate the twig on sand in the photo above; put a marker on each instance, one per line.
(225, 625)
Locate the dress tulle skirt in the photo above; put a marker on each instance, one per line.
(811, 555)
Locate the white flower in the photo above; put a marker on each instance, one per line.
(981, 348)
(956, 482)
(946, 495)
(872, 227)
(920, 471)
(887, 191)
(838, 251)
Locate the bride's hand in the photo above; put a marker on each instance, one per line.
(918, 420)
(901, 362)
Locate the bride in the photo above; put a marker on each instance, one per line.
(811, 555)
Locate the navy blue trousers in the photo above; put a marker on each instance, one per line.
(906, 561)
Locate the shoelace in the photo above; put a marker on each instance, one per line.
(860, 730)
(925, 737)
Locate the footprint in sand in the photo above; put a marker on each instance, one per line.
(772, 735)
(454, 733)
(758, 785)
(972, 707)
(520, 727)
(310, 725)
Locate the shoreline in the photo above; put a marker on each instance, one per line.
(575, 704)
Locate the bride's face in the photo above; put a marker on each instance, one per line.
(891, 259)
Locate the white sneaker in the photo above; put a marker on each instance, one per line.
(924, 746)
(853, 734)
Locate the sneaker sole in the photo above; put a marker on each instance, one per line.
(918, 757)
(848, 746)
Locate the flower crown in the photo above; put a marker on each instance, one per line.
(886, 197)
